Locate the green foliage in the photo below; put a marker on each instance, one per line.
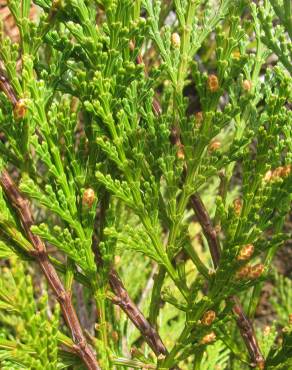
(114, 114)
(28, 337)
(278, 39)
(282, 302)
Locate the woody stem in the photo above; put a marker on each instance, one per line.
(39, 252)
(243, 323)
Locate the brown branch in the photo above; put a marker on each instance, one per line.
(208, 229)
(123, 300)
(248, 335)
(80, 346)
(243, 323)
(6, 87)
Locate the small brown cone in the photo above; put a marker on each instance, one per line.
(198, 119)
(213, 83)
(175, 40)
(243, 272)
(237, 204)
(208, 318)
(256, 271)
(214, 145)
(88, 197)
(208, 338)
(246, 85)
(246, 252)
(20, 109)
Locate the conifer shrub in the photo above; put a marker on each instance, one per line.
(145, 172)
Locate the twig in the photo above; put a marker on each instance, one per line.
(245, 326)
(208, 229)
(6, 87)
(123, 300)
(248, 335)
(80, 346)
(121, 297)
